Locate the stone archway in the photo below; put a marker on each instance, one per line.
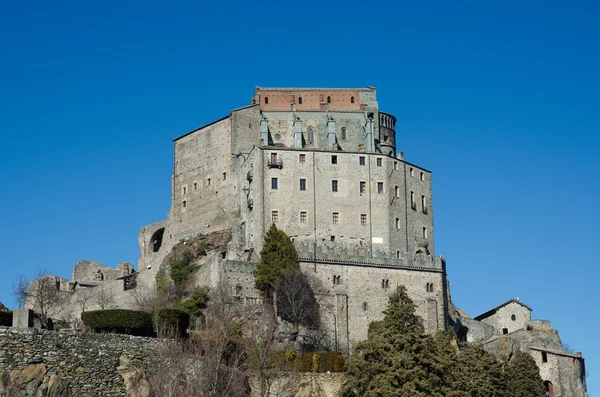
(549, 388)
(156, 239)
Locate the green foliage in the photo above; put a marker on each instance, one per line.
(282, 360)
(278, 254)
(171, 322)
(202, 249)
(523, 376)
(196, 302)
(182, 268)
(119, 320)
(162, 285)
(6, 318)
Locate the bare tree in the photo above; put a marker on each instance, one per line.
(211, 362)
(42, 295)
(296, 301)
(84, 297)
(103, 298)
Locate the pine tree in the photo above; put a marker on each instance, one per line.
(278, 254)
(523, 376)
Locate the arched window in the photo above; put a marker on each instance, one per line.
(266, 100)
(351, 99)
(343, 133)
(311, 134)
(300, 100)
(328, 99)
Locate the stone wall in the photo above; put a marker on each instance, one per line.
(79, 365)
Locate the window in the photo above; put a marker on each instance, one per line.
(379, 162)
(423, 204)
(412, 172)
(365, 305)
(266, 100)
(422, 176)
(302, 184)
(379, 187)
(385, 283)
(332, 238)
(413, 205)
(396, 165)
(208, 182)
(238, 290)
(334, 185)
(363, 219)
(363, 187)
(386, 138)
(273, 158)
(429, 287)
(300, 100)
(351, 99)
(224, 176)
(544, 357)
(275, 216)
(361, 160)
(321, 97)
(397, 254)
(274, 183)
(184, 203)
(334, 159)
(424, 232)
(195, 185)
(303, 217)
(328, 99)
(370, 115)
(343, 133)
(505, 331)
(397, 191)
(311, 134)
(398, 223)
(336, 218)
(337, 280)
(184, 190)
(302, 158)
(513, 317)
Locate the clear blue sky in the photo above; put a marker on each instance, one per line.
(499, 100)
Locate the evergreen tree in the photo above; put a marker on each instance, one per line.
(278, 254)
(523, 376)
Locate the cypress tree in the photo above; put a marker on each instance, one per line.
(278, 254)
(523, 376)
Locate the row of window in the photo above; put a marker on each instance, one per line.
(300, 99)
(385, 284)
(335, 217)
(195, 185)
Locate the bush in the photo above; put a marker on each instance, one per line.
(123, 321)
(181, 269)
(6, 319)
(171, 322)
(277, 359)
(319, 362)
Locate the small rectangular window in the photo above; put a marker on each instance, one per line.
(379, 162)
(386, 138)
(544, 355)
(334, 159)
(302, 158)
(303, 217)
(413, 205)
(195, 185)
(412, 172)
(363, 187)
(425, 232)
(184, 190)
(208, 182)
(423, 204)
(184, 203)
(302, 184)
(275, 216)
(379, 187)
(397, 254)
(363, 219)
(273, 158)
(332, 238)
(361, 160)
(274, 183)
(422, 176)
(396, 165)
(397, 191)
(334, 185)
(224, 176)
(335, 218)
(397, 223)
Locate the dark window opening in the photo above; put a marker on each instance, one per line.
(379, 162)
(334, 159)
(334, 185)
(332, 238)
(300, 100)
(302, 184)
(365, 306)
(370, 115)
(343, 133)
(328, 99)
(513, 317)
(266, 100)
(544, 357)
(274, 183)
(311, 135)
(361, 160)
(156, 239)
(351, 99)
(504, 331)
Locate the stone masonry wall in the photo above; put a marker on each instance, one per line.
(87, 363)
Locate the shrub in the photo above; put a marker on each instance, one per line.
(319, 362)
(6, 319)
(277, 359)
(171, 322)
(181, 269)
(120, 321)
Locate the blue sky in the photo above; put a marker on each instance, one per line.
(498, 99)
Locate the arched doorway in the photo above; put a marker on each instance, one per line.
(156, 239)
(549, 388)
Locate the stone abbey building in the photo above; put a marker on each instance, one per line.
(322, 164)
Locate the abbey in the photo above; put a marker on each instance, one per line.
(323, 165)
